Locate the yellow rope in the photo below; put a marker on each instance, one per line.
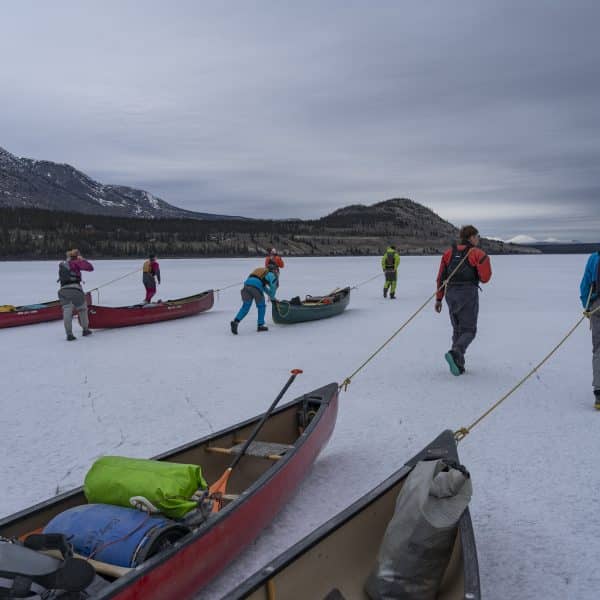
(97, 289)
(227, 287)
(461, 433)
(355, 287)
(116, 279)
(344, 385)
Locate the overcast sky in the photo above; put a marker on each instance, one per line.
(487, 112)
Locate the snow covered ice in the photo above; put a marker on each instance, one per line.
(140, 391)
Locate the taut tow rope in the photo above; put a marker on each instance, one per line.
(97, 289)
(348, 379)
(461, 433)
(355, 287)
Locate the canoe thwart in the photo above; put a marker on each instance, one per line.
(270, 450)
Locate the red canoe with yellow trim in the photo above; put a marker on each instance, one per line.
(259, 487)
(34, 313)
(105, 317)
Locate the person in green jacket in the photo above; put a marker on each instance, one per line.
(389, 263)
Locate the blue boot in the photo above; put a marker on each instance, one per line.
(455, 368)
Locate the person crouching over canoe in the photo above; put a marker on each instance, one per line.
(150, 276)
(261, 280)
(389, 263)
(71, 293)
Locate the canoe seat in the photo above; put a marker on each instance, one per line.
(263, 449)
(270, 450)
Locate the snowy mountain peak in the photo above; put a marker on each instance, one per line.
(25, 182)
(522, 239)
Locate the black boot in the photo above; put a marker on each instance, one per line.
(393, 296)
(86, 332)
(597, 399)
(262, 328)
(385, 292)
(234, 325)
(70, 337)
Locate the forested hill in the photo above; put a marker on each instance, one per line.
(353, 230)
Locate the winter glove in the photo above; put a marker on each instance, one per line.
(438, 306)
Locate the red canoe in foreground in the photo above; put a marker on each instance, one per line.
(34, 313)
(102, 317)
(258, 488)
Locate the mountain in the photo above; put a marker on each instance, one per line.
(523, 239)
(350, 231)
(47, 185)
(412, 227)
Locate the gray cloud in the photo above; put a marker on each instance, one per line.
(484, 112)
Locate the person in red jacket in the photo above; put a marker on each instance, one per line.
(150, 275)
(274, 262)
(467, 266)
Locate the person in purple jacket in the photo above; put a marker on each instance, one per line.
(71, 294)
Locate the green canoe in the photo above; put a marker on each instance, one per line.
(312, 308)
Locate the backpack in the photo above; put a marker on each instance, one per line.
(66, 275)
(259, 273)
(390, 262)
(466, 273)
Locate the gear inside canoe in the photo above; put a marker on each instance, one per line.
(112, 524)
(391, 543)
(311, 308)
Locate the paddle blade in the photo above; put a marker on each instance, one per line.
(218, 489)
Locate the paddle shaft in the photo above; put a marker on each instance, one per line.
(264, 418)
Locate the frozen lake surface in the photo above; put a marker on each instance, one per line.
(140, 391)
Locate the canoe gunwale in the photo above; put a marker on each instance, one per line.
(205, 528)
(446, 447)
(325, 396)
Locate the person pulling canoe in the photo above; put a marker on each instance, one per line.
(71, 294)
(389, 263)
(261, 280)
(150, 277)
(589, 290)
(467, 265)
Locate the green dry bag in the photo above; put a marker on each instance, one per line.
(169, 486)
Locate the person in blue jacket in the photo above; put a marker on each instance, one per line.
(261, 280)
(589, 292)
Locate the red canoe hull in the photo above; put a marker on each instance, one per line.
(183, 569)
(105, 317)
(24, 316)
(186, 571)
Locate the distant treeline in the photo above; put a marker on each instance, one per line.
(36, 233)
(571, 248)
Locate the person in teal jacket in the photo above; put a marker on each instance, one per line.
(261, 280)
(389, 263)
(589, 292)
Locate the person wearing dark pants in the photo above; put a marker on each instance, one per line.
(467, 266)
(261, 280)
(71, 294)
(590, 299)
